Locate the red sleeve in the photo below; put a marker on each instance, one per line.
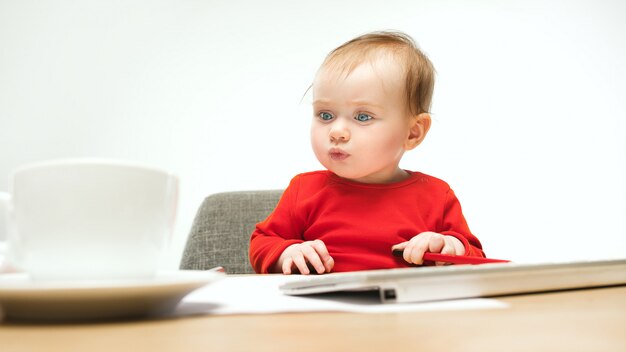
(454, 224)
(277, 232)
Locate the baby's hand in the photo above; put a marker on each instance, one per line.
(413, 250)
(305, 255)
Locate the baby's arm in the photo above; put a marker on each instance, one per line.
(414, 249)
(452, 236)
(276, 233)
(304, 257)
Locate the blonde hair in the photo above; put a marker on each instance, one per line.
(418, 70)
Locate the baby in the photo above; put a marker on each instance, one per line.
(371, 101)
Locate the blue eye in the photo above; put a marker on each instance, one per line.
(363, 117)
(326, 116)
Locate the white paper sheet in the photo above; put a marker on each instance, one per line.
(259, 294)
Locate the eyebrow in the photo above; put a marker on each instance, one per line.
(352, 102)
(366, 103)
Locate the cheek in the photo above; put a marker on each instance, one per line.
(318, 136)
(387, 142)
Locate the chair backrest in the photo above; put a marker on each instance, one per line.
(220, 234)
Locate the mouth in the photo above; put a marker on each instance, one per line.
(338, 154)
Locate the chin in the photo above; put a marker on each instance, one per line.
(343, 171)
(346, 174)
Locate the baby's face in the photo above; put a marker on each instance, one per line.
(361, 123)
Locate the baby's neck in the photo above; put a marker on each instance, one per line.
(397, 176)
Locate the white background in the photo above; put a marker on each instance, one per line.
(529, 103)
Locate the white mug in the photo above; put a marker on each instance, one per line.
(79, 219)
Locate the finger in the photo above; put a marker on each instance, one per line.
(415, 248)
(287, 263)
(459, 248)
(398, 249)
(298, 259)
(408, 248)
(447, 249)
(414, 253)
(436, 243)
(416, 256)
(322, 251)
(406, 254)
(330, 264)
(311, 256)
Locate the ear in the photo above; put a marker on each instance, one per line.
(418, 128)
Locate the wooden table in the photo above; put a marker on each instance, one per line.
(582, 320)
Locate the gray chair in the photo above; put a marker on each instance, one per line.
(220, 234)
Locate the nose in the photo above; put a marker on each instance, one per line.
(339, 132)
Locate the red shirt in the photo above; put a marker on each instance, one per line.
(358, 222)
